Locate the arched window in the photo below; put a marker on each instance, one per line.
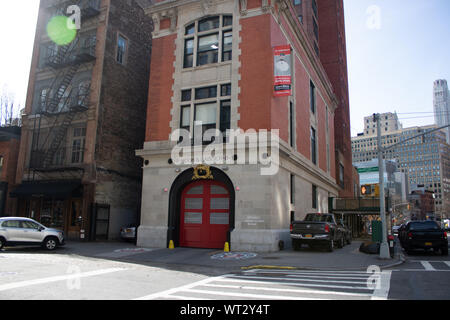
(208, 40)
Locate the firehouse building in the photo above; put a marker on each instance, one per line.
(249, 65)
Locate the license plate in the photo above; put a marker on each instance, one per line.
(308, 235)
(428, 243)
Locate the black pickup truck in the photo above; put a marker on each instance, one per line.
(423, 235)
(317, 229)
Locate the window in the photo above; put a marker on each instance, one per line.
(292, 185)
(227, 45)
(205, 93)
(314, 197)
(312, 97)
(122, 44)
(208, 41)
(314, 7)
(205, 105)
(29, 225)
(341, 176)
(291, 125)
(188, 53)
(208, 49)
(313, 146)
(78, 145)
(315, 29)
(225, 116)
(11, 224)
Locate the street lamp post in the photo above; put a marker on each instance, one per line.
(384, 248)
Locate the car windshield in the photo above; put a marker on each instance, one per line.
(318, 218)
(425, 225)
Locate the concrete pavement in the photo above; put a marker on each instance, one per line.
(216, 261)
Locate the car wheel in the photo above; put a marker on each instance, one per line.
(340, 243)
(297, 245)
(50, 243)
(2, 243)
(330, 246)
(444, 251)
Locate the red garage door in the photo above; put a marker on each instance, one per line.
(205, 215)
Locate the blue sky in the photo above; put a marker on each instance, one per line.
(391, 68)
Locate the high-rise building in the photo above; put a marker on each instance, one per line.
(213, 61)
(85, 117)
(441, 104)
(389, 123)
(425, 159)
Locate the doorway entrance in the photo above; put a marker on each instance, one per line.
(205, 215)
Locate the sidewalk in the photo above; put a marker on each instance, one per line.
(347, 258)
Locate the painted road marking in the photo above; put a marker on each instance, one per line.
(286, 285)
(27, 283)
(427, 266)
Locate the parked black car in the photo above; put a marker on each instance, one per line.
(423, 235)
(317, 229)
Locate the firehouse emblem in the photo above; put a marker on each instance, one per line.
(202, 172)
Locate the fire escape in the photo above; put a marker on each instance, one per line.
(63, 101)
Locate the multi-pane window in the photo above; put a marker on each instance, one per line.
(208, 41)
(209, 106)
(78, 144)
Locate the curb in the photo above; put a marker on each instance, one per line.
(401, 259)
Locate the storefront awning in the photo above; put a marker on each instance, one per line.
(58, 189)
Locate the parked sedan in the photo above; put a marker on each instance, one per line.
(129, 233)
(24, 232)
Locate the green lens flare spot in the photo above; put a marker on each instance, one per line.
(61, 30)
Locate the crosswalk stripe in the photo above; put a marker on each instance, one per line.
(248, 295)
(290, 283)
(427, 266)
(308, 279)
(286, 285)
(340, 293)
(447, 263)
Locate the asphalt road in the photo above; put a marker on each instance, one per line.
(33, 274)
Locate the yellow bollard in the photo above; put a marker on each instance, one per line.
(171, 245)
(227, 247)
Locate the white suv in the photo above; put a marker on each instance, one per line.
(23, 231)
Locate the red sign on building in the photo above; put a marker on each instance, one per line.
(282, 71)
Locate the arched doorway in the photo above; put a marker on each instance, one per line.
(205, 215)
(180, 187)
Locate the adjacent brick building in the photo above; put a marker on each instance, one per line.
(214, 61)
(9, 150)
(84, 117)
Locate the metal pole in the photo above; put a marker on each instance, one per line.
(384, 248)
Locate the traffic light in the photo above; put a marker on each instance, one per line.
(366, 190)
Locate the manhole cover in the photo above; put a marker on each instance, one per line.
(234, 256)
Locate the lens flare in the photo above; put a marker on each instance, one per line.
(61, 30)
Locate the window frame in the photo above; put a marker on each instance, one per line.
(124, 54)
(219, 99)
(193, 33)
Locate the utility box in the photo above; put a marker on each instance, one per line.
(377, 234)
